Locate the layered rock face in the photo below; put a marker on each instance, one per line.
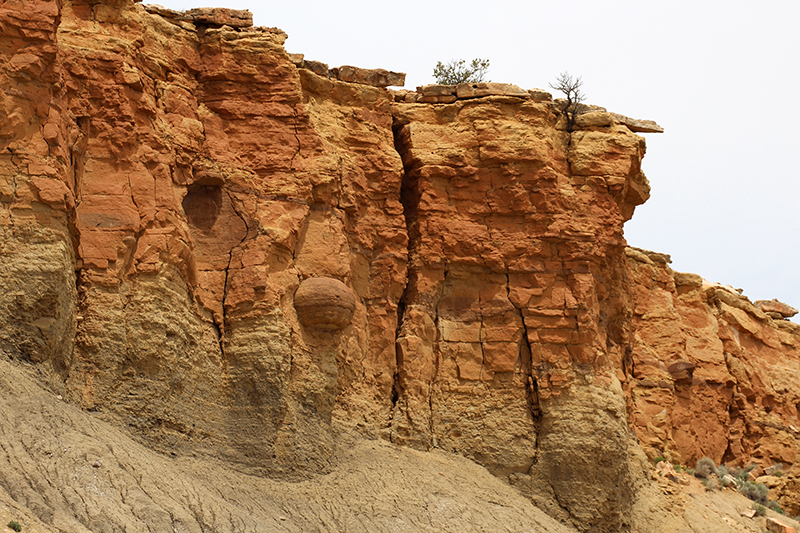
(514, 316)
(181, 177)
(713, 374)
(231, 251)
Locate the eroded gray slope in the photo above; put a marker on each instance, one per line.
(77, 473)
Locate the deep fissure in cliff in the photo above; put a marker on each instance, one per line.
(531, 377)
(409, 199)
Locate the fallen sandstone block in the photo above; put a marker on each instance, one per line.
(317, 67)
(540, 95)
(776, 526)
(594, 119)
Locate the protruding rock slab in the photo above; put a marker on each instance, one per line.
(681, 370)
(376, 77)
(638, 125)
(220, 16)
(594, 119)
(476, 90)
(540, 95)
(436, 94)
(324, 303)
(209, 16)
(774, 306)
(437, 90)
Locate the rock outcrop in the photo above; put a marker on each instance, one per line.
(711, 374)
(324, 303)
(236, 253)
(507, 345)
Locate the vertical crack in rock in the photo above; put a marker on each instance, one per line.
(77, 158)
(401, 309)
(131, 242)
(409, 199)
(733, 407)
(436, 351)
(222, 328)
(76, 154)
(297, 138)
(531, 381)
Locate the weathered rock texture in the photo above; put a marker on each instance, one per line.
(513, 318)
(233, 252)
(711, 374)
(192, 182)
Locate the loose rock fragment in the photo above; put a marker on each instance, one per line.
(776, 307)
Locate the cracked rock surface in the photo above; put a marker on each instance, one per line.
(172, 183)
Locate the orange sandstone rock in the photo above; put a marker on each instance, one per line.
(324, 303)
(776, 307)
(776, 526)
(711, 375)
(206, 203)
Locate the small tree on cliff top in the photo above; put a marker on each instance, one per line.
(571, 87)
(455, 72)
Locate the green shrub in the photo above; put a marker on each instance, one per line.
(759, 509)
(677, 468)
(657, 460)
(705, 467)
(775, 507)
(15, 525)
(709, 484)
(455, 72)
(755, 491)
(741, 473)
(722, 471)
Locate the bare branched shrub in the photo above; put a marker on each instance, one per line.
(571, 87)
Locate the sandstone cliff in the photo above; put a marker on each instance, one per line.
(235, 253)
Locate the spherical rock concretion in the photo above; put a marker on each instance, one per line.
(324, 303)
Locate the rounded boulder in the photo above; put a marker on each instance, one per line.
(324, 303)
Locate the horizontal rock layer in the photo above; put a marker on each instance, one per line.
(233, 252)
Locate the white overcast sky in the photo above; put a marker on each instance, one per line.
(722, 78)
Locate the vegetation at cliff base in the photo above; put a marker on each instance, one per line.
(705, 467)
(454, 72)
